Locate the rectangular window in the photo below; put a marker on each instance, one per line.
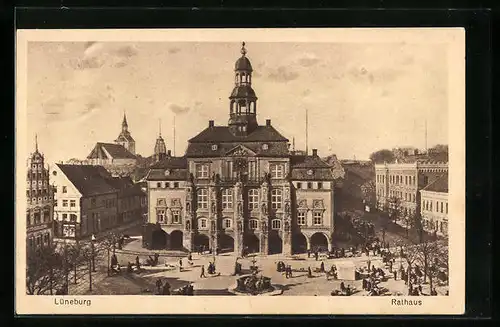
(202, 198)
(318, 218)
(309, 185)
(201, 171)
(72, 203)
(160, 216)
(299, 186)
(65, 216)
(176, 216)
(276, 224)
(446, 207)
(301, 218)
(320, 185)
(227, 198)
(161, 202)
(277, 171)
(167, 185)
(442, 207)
(64, 189)
(253, 199)
(252, 223)
(64, 203)
(276, 198)
(176, 185)
(227, 223)
(203, 223)
(158, 184)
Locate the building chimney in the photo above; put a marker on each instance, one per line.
(268, 122)
(315, 152)
(210, 123)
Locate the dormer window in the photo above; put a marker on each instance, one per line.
(214, 147)
(167, 172)
(310, 172)
(265, 146)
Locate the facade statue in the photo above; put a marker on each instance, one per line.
(214, 207)
(240, 209)
(287, 208)
(264, 208)
(188, 225)
(287, 226)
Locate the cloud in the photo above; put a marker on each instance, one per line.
(282, 74)
(178, 109)
(173, 50)
(379, 75)
(306, 92)
(308, 60)
(97, 55)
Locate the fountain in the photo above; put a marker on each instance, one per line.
(255, 284)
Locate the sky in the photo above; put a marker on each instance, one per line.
(360, 97)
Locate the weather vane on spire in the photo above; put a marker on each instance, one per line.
(243, 50)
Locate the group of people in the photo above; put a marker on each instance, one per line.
(283, 268)
(371, 286)
(344, 291)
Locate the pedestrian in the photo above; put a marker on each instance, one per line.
(159, 285)
(308, 253)
(309, 272)
(395, 274)
(390, 265)
(316, 255)
(166, 289)
(202, 274)
(369, 263)
(190, 257)
(322, 267)
(180, 264)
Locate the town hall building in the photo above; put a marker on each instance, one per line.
(240, 188)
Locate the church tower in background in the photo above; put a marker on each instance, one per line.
(160, 147)
(125, 139)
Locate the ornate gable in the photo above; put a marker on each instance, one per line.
(240, 151)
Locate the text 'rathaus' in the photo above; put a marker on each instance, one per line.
(240, 187)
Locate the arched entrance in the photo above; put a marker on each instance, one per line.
(299, 243)
(275, 242)
(159, 239)
(319, 242)
(176, 240)
(226, 243)
(252, 244)
(201, 241)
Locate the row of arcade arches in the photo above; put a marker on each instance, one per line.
(317, 241)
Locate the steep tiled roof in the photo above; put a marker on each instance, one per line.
(439, 185)
(176, 166)
(171, 163)
(158, 174)
(89, 180)
(301, 165)
(222, 134)
(117, 151)
(308, 162)
(125, 137)
(275, 149)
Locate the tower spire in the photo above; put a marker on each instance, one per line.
(426, 136)
(36, 142)
(124, 122)
(159, 127)
(307, 133)
(174, 136)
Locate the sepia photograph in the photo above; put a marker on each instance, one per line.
(205, 170)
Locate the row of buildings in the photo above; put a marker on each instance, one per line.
(416, 188)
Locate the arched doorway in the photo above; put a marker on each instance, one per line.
(275, 242)
(226, 243)
(319, 242)
(201, 241)
(158, 239)
(299, 243)
(176, 240)
(252, 244)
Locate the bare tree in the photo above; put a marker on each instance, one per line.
(394, 208)
(369, 192)
(411, 255)
(75, 258)
(43, 270)
(109, 243)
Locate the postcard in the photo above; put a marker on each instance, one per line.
(240, 171)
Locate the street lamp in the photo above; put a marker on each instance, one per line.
(92, 241)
